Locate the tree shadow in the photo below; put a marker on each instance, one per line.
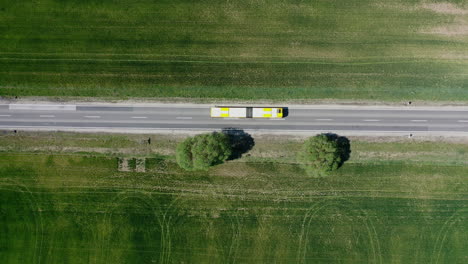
(343, 144)
(241, 142)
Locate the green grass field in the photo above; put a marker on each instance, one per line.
(381, 207)
(273, 49)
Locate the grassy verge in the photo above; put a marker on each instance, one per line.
(95, 144)
(60, 206)
(268, 148)
(340, 49)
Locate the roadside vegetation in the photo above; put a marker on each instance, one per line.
(399, 200)
(322, 154)
(246, 50)
(203, 151)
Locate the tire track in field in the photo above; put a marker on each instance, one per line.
(164, 213)
(230, 246)
(459, 57)
(342, 206)
(106, 236)
(456, 218)
(221, 226)
(219, 62)
(198, 74)
(29, 196)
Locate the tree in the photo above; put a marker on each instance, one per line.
(322, 154)
(184, 154)
(203, 151)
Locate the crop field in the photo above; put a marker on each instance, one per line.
(65, 207)
(272, 49)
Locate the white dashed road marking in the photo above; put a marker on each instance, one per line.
(324, 119)
(139, 117)
(463, 121)
(46, 116)
(5, 115)
(418, 120)
(371, 120)
(92, 116)
(183, 117)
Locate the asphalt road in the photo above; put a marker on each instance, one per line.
(173, 117)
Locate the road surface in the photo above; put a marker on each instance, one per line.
(180, 117)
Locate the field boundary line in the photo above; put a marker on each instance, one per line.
(222, 62)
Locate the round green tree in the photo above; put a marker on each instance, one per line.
(320, 155)
(184, 154)
(203, 151)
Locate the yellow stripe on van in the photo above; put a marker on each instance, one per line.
(267, 109)
(225, 109)
(280, 112)
(224, 115)
(266, 115)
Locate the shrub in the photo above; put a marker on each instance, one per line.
(203, 151)
(323, 154)
(184, 154)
